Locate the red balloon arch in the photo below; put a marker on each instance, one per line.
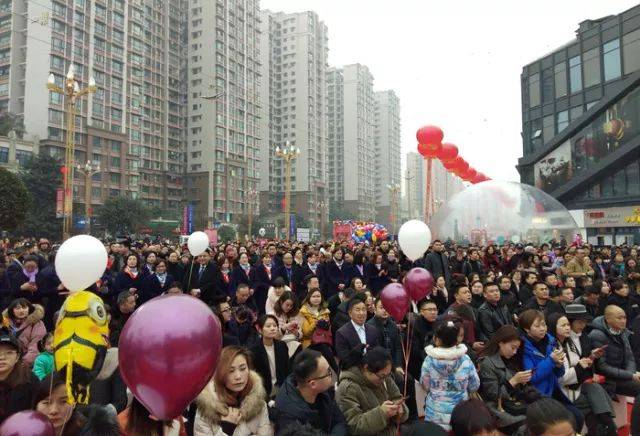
(430, 146)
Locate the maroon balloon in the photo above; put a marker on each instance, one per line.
(27, 423)
(395, 300)
(168, 352)
(419, 283)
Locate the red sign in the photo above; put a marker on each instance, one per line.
(59, 203)
(341, 232)
(213, 236)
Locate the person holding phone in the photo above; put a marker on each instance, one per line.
(367, 395)
(590, 398)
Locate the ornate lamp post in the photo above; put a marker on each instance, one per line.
(394, 189)
(288, 154)
(72, 91)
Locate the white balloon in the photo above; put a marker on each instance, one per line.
(80, 262)
(198, 242)
(414, 238)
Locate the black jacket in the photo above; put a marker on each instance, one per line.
(334, 276)
(422, 336)
(176, 270)
(490, 319)
(340, 316)
(618, 362)
(628, 304)
(291, 408)
(124, 282)
(238, 275)
(302, 271)
(260, 283)
(389, 338)
(473, 267)
(375, 278)
(210, 284)
(261, 364)
(438, 265)
(346, 339)
(547, 309)
(151, 287)
(494, 377)
(19, 398)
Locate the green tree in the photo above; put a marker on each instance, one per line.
(14, 200)
(226, 233)
(10, 121)
(41, 175)
(123, 214)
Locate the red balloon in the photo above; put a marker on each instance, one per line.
(461, 166)
(418, 283)
(429, 135)
(429, 151)
(449, 165)
(469, 175)
(168, 352)
(448, 152)
(27, 423)
(63, 170)
(395, 300)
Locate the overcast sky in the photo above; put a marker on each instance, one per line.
(453, 63)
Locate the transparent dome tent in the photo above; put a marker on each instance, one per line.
(502, 212)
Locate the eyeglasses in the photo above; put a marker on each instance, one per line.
(8, 353)
(328, 374)
(381, 376)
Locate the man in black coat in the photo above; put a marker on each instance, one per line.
(287, 271)
(337, 274)
(355, 332)
(491, 315)
(301, 274)
(473, 265)
(389, 335)
(541, 300)
(205, 281)
(423, 329)
(303, 399)
(437, 263)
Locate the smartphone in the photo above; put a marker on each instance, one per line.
(401, 400)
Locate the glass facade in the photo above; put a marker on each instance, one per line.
(622, 183)
(610, 130)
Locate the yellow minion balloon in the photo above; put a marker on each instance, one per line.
(80, 342)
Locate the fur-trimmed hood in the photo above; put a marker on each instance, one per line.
(213, 409)
(32, 319)
(452, 353)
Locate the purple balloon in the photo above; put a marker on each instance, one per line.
(395, 300)
(419, 283)
(168, 352)
(27, 423)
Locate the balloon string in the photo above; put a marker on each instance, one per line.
(193, 259)
(406, 351)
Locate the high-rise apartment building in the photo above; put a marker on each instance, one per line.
(223, 103)
(351, 140)
(387, 156)
(293, 100)
(414, 185)
(134, 124)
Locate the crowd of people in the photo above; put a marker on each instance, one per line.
(512, 339)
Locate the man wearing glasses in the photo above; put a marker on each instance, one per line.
(303, 398)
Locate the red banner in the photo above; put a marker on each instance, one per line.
(341, 232)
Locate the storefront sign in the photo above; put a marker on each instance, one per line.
(612, 217)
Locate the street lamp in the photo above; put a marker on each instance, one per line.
(288, 154)
(72, 91)
(88, 170)
(252, 195)
(394, 189)
(324, 217)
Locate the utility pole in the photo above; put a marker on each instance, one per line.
(88, 170)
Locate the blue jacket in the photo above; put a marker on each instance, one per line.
(545, 377)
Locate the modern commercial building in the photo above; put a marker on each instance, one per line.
(352, 140)
(581, 126)
(133, 126)
(223, 126)
(293, 104)
(387, 158)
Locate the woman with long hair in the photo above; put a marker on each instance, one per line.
(233, 402)
(136, 420)
(156, 283)
(590, 398)
(313, 309)
(24, 320)
(270, 356)
(131, 278)
(287, 312)
(501, 375)
(52, 401)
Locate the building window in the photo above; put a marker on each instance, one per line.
(575, 74)
(562, 121)
(560, 75)
(548, 130)
(633, 179)
(4, 154)
(631, 51)
(591, 67)
(547, 85)
(534, 90)
(575, 112)
(611, 56)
